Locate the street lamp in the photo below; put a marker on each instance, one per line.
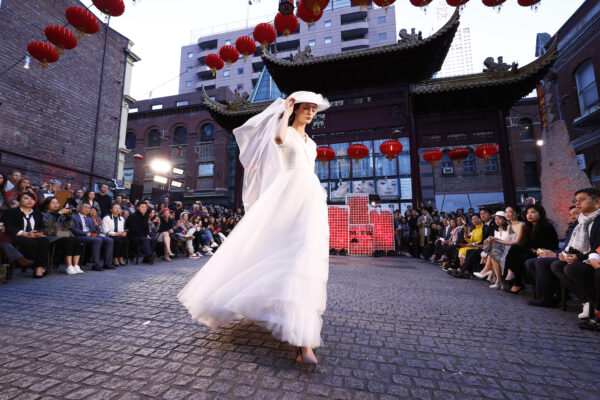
(540, 142)
(159, 165)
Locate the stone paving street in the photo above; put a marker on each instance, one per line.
(394, 328)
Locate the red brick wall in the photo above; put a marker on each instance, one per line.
(51, 114)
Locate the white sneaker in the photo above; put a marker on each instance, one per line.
(205, 248)
(214, 244)
(209, 253)
(78, 269)
(198, 254)
(586, 311)
(494, 286)
(71, 270)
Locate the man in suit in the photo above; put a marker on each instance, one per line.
(442, 240)
(84, 228)
(473, 257)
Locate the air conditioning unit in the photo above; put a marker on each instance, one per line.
(447, 170)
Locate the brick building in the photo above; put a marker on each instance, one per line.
(180, 130)
(65, 121)
(571, 89)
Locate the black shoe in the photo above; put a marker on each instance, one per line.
(122, 264)
(518, 291)
(592, 324)
(96, 267)
(109, 267)
(151, 258)
(541, 303)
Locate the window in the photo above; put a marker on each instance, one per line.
(469, 164)
(157, 107)
(133, 110)
(206, 169)
(381, 20)
(364, 167)
(207, 133)
(312, 42)
(226, 73)
(586, 86)
(492, 165)
(227, 42)
(312, 27)
(328, 24)
(240, 71)
(328, 40)
(526, 126)
(180, 135)
(382, 36)
(188, 69)
(532, 178)
(190, 55)
(128, 174)
(154, 138)
(188, 84)
(239, 86)
(181, 103)
(130, 140)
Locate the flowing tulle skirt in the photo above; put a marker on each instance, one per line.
(274, 265)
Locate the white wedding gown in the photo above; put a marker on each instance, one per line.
(274, 265)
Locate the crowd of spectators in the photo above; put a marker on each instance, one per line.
(511, 248)
(36, 225)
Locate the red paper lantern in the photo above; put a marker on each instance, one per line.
(529, 3)
(61, 37)
(316, 6)
(362, 3)
(265, 34)
(456, 3)
(325, 154)
(306, 15)
(357, 152)
(486, 151)
(391, 149)
(138, 156)
(82, 20)
(114, 8)
(458, 154)
(229, 54)
(214, 62)
(286, 24)
(245, 45)
(432, 156)
(43, 52)
(384, 3)
(420, 3)
(493, 3)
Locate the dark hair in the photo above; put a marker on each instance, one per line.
(3, 185)
(138, 205)
(46, 203)
(592, 192)
(20, 196)
(516, 209)
(505, 223)
(530, 230)
(572, 207)
(86, 195)
(293, 116)
(485, 209)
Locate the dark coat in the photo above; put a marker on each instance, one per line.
(14, 222)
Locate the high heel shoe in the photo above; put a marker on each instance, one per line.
(483, 276)
(303, 360)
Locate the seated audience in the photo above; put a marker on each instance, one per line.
(496, 249)
(58, 229)
(165, 229)
(138, 232)
(89, 197)
(185, 231)
(113, 226)
(84, 227)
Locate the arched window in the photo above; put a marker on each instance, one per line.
(526, 126)
(130, 141)
(180, 135)
(207, 133)
(154, 138)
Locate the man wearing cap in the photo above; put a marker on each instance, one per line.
(53, 187)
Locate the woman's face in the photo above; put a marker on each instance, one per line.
(500, 221)
(305, 113)
(54, 205)
(91, 195)
(510, 213)
(125, 214)
(573, 215)
(93, 212)
(27, 201)
(237, 219)
(24, 184)
(387, 187)
(184, 217)
(365, 187)
(116, 210)
(533, 215)
(151, 215)
(453, 223)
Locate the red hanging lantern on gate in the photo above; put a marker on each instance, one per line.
(357, 152)
(458, 154)
(61, 37)
(390, 149)
(432, 156)
(214, 62)
(306, 15)
(245, 45)
(82, 20)
(43, 52)
(265, 34)
(325, 154)
(384, 3)
(286, 24)
(485, 151)
(114, 8)
(229, 54)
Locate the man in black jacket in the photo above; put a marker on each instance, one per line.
(138, 231)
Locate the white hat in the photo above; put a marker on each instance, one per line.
(500, 214)
(310, 97)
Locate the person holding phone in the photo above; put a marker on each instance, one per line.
(25, 226)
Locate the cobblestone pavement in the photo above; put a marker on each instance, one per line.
(394, 328)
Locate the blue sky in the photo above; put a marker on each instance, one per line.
(159, 28)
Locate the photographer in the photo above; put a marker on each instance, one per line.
(58, 230)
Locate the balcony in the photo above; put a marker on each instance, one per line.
(208, 45)
(205, 75)
(354, 34)
(350, 18)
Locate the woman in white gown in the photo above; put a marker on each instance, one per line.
(274, 265)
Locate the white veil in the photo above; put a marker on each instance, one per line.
(258, 151)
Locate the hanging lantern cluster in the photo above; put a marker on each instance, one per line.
(496, 4)
(484, 151)
(84, 22)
